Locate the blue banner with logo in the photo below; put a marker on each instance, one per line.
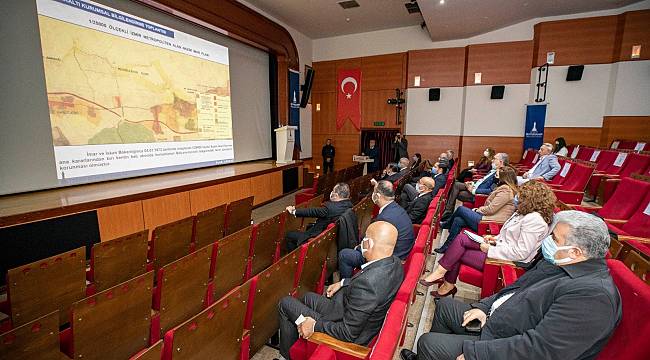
(294, 104)
(534, 131)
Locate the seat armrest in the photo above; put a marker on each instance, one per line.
(351, 349)
(499, 262)
(612, 180)
(585, 208)
(636, 238)
(615, 221)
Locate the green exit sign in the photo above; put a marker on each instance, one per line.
(379, 123)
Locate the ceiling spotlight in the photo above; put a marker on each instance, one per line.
(347, 19)
(442, 2)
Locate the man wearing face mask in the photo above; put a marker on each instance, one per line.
(417, 208)
(391, 173)
(327, 214)
(545, 168)
(466, 191)
(566, 307)
(410, 192)
(353, 309)
(383, 196)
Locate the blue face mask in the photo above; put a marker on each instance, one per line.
(549, 248)
(494, 166)
(516, 200)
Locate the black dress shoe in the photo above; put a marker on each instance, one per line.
(407, 354)
(440, 250)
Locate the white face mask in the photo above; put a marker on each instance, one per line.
(370, 245)
(486, 153)
(332, 195)
(418, 187)
(375, 198)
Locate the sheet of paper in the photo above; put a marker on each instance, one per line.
(594, 156)
(574, 153)
(620, 159)
(565, 169)
(615, 144)
(300, 320)
(647, 209)
(474, 237)
(639, 146)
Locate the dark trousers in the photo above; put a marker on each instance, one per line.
(312, 305)
(408, 194)
(445, 341)
(295, 239)
(458, 192)
(349, 259)
(462, 218)
(327, 165)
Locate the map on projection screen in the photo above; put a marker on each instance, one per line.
(126, 93)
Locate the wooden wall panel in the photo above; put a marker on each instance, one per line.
(324, 76)
(348, 64)
(346, 145)
(636, 31)
(577, 41)
(207, 198)
(625, 127)
(165, 209)
(238, 189)
(261, 188)
(382, 71)
(276, 184)
(375, 108)
(437, 67)
(473, 147)
(430, 146)
(573, 135)
(119, 220)
(323, 119)
(500, 63)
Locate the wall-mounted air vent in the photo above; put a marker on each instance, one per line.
(348, 4)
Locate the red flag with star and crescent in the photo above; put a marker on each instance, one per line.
(349, 98)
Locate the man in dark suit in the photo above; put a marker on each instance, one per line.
(391, 173)
(327, 214)
(383, 196)
(417, 208)
(400, 146)
(328, 153)
(372, 152)
(566, 307)
(353, 309)
(409, 192)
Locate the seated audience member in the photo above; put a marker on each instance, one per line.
(383, 196)
(560, 147)
(327, 214)
(545, 168)
(566, 307)
(391, 173)
(443, 159)
(417, 208)
(519, 239)
(498, 207)
(404, 166)
(466, 191)
(451, 156)
(409, 191)
(484, 165)
(416, 161)
(353, 310)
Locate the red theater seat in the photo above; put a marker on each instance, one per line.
(628, 341)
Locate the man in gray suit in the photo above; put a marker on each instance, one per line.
(353, 311)
(545, 168)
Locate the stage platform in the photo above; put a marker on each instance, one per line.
(262, 179)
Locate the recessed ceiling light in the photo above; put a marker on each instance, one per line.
(347, 19)
(442, 2)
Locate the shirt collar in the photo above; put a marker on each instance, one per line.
(383, 207)
(363, 266)
(587, 267)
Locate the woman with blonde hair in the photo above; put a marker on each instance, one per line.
(519, 239)
(498, 207)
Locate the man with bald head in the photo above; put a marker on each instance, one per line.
(417, 208)
(353, 309)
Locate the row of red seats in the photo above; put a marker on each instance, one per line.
(635, 145)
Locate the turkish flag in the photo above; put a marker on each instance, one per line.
(348, 98)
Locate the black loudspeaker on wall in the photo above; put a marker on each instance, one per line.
(434, 94)
(497, 91)
(574, 73)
